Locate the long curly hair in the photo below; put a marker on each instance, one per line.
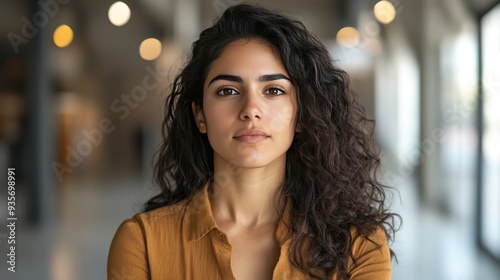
(331, 165)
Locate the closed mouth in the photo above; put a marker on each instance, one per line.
(251, 136)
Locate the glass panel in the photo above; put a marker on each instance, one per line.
(490, 200)
(458, 102)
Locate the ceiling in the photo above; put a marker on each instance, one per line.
(481, 6)
(107, 47)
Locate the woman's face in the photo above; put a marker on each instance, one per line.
(249, 106)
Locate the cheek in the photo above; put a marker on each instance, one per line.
(282, 119)
(218, 120)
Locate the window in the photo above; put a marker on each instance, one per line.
(489, 153)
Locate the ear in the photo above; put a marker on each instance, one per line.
(298, 128)
(199, 117)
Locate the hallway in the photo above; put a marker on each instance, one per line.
(81, 112)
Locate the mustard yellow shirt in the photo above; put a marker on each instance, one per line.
(182, 241)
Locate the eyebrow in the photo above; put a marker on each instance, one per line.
(238, 79)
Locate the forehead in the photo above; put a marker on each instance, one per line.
(249, 44)
(247, 57)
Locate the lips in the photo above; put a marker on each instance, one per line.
(251, 136)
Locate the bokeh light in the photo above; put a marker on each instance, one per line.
(63, 36)
(384, 12)
(348, 37)
(150, 49)
(119, 13)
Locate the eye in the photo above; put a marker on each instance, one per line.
(226, 91)
(274, 91)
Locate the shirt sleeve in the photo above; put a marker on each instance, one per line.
(127, 258)
(373, 259)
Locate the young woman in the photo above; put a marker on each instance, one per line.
(267, 168)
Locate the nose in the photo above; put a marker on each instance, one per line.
(251, 108)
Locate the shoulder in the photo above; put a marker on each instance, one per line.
(371, 253)
(143, 243)
(372, 240)
(165, 213)
(134, 241)
(149, 222)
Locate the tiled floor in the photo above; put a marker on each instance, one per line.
(75, 245)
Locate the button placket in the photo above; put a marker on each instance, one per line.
(223, 252)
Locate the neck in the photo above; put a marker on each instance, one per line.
(246, 197)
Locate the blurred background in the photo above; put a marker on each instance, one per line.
(82, 85)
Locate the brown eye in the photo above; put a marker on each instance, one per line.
(227, 91)
(274, 91)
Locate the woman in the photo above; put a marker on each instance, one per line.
(267, 168)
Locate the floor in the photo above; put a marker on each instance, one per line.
(433, 246)
(75, 244)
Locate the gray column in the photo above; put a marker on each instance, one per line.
(41, 135)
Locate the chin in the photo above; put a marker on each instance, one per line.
(252, 163)
(249, 160)
(258, 161)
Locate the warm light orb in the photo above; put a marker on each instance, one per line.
(63, 36)
(150, 49)
(348, 37)
(384, 12)
(119, 13)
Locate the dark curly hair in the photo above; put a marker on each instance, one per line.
(331, 165)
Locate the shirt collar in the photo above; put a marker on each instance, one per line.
(198, 216)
